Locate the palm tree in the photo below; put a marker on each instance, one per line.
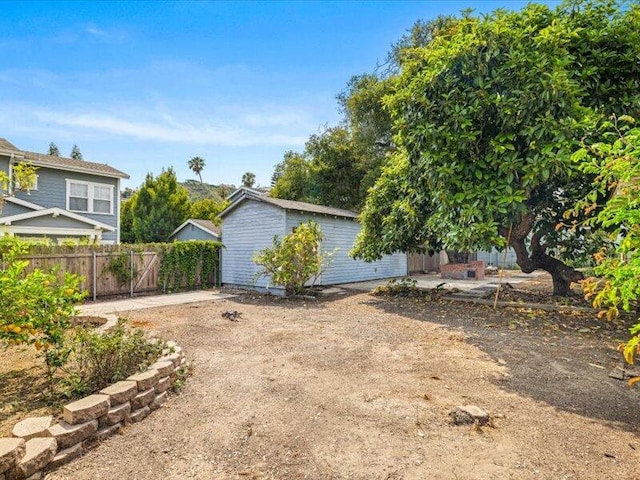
(196, 164)
(248, 179)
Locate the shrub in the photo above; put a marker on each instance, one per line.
(35, 307)
(188, 263)
(100, 359)
(405, 287)
(294, 260)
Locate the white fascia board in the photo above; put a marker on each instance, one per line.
(24, 203)
(55, 211)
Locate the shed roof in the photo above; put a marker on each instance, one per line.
(61, 163)
(287, 205)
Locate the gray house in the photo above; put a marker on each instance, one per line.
(71, 199)
(252, 220)
(196, 229)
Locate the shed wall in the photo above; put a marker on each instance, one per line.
(247, 230)
(339, 237)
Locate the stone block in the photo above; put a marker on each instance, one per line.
(142, 399)
(68, 435)
(106, 432)
(140, 414)
(38, 453)
(32, 427)
(469, 414)
(164, 368)
(163, 385)
(86, 409)
(121, 392)
(115, 415)
(158, 401)
(172, 357)
(65, 456)
(145, 380)
(12, 450)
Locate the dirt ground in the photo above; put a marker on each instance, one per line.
(360, 387)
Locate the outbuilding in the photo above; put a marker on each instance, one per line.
(253, 219)
(196, 229)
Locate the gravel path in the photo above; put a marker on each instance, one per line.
(354, 387)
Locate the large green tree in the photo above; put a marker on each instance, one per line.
(486, 116)
(329, 172)
(208, 209)
(159, 207)
(291, 178)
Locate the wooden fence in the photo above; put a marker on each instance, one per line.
(139, 271)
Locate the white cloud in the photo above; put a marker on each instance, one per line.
(104, 34)
(254, 130)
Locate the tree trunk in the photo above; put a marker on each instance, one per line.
(562, 275)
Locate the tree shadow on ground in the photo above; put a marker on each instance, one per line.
(549, 355)
(22, 391)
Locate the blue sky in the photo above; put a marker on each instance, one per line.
(147, 85)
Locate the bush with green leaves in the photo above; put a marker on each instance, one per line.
(99, 359)
(616, 163)
(36, 306)
(295, 259)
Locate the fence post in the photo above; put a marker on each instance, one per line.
(95, 275)
(132, 279)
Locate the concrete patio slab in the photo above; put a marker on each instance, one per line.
(151, 301)
(433, 280)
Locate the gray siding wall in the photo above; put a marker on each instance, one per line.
(9, 209)
(339, 237)
(52, 192)
(190, 232)
(247, 230)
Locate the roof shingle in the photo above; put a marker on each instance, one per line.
(63, 163)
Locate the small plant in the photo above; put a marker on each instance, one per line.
(294, 260)
(100, 359)
(180, 377)
(120, 265)
(405, 287)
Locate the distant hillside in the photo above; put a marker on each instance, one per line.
(198, 191)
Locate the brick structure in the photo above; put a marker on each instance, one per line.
(463, 271)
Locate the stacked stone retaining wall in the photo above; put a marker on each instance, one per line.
(38, 445)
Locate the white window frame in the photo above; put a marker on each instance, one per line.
(90, 198)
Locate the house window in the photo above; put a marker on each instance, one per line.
(89, 197)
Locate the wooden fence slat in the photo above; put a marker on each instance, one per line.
(93, 267)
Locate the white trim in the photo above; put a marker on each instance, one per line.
(24, 203)
(85, 232)
(55, 211)
(90, 196)
(190, 221)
